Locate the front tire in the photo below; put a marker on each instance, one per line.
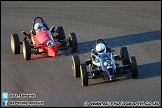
(124, 56)
(26, 50)
(15, 44)
(133, 67)
(84, 75)
(73, 42)
(60, 33)
(76, 66)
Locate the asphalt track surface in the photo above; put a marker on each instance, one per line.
(136, 25)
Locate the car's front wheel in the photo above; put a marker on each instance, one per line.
(76, 66)
(84, 75)
(133, 67)
(124, 55)
(60, 33)
(26, 50)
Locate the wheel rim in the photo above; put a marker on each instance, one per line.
(70, 42)
(12, 44)
(24, 52)
(73, 67)
(81, 75)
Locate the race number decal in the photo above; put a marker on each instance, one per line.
(50, 43)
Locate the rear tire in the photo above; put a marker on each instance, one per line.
(133, 67)
(60, 33)
(26, 50)
(15, 44)
(76, 66)
(84, 75)
(73, 42)
(124, 56)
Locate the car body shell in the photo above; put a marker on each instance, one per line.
(45, 42)
(107, 65)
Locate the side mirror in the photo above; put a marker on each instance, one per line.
(33, 32)
(106, 42)
(52, 29)
(112, 50)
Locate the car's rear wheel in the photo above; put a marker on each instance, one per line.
(133, 67)
(15, 44)
(26, 50)
(84, 75)
(124, 56)
(73, 42)
(76, 66)
(60, 33)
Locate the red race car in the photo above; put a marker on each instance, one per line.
(42, 40)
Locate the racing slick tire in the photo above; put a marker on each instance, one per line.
(133, 67)
(124, 56)
(76, 66)
(60, 33)
(15, 44)
(73, 42)
(84, 75)
(26, 50)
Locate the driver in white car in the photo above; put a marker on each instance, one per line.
(99, 49)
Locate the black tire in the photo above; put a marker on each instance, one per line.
(133, 67)
(26, 50)
(60, 33)
(124, 56)
(15, 44)
(84, 75)
(76, 66)
(73, 42)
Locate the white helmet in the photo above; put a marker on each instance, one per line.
(38, 26)
(100, 48)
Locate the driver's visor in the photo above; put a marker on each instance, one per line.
(101, 51)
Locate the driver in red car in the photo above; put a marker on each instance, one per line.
(38, 27)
